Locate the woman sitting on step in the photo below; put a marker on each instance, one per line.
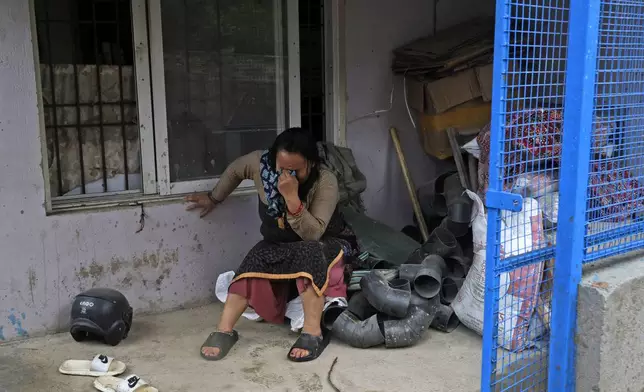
(304, 242)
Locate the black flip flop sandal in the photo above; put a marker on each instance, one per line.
(223, 341)
(315, 345)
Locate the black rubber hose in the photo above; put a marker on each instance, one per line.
(457, 229)
(428, 279)
(360, 334)
(450, 288)
(330, 314)
(441, 242)
(408, 271)
(457, 266)
(409, 330)
(360, 307)
(431, 198)
(400, 284)
(386, 299)
(430, 306)
(445, 320)
(452, 189)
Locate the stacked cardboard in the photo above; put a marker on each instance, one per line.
(449, 68)
(457, 48)
(449, 82)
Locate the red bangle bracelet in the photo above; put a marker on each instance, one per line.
(299, 210)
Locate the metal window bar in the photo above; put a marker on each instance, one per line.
(63, 47)
(312, 68)
(615, 199)
(524, 140)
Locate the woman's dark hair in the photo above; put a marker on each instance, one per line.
(298, 141)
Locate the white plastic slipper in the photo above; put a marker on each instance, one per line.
(130, 383)
(101, 365)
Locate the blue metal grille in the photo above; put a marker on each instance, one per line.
(615, 202)
(526, 137)
(576, 198)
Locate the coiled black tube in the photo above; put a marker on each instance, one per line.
(361, 334)
(409, 330)
(388, 300)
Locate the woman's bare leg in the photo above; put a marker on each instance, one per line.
(313, 306)
(233, 309)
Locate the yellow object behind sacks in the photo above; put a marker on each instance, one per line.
(471, 115)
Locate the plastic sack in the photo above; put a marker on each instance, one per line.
(519, 326)
(535, 184)
(550, 206)
(472, 147)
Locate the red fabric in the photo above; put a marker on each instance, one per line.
(269, 297)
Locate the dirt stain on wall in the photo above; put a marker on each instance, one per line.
(140, 268)
(32, 279)
(94, 271)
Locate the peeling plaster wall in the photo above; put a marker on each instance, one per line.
(373, 29)
(173, 262)
(46, 261)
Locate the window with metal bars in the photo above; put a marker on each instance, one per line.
(157, 97)
(88, 93)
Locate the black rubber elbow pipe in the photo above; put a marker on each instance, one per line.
(445, 320)
(330, 314)
(457, 266)
(360, 307)
(383, 297)
(429, 277)
(409, 330)
(441, 242)
(450, 288)
(360, 334)
(430, 306)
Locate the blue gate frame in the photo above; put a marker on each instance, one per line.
(562, 41)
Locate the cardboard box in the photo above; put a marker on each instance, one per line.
(484, 76)
(474, 114)
(441, 95)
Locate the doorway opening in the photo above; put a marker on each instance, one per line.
(312, 67)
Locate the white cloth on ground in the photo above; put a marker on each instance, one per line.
(294, 308)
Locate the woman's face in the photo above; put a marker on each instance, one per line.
(293, 161)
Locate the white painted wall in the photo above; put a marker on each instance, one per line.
(373, 29)
(173, 262)
(45, 261)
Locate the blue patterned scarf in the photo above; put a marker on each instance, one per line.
(270, 178)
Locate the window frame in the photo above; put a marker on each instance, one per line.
(165, 185)
(151, 105)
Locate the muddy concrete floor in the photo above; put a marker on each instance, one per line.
(164, 350)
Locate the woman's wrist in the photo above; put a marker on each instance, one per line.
(212, 198)
(294, 206)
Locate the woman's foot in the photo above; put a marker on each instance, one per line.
(218, 344)
(308, 346)
(299, 352)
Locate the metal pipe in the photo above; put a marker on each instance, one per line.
(410, 184)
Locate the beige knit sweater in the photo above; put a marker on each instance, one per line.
(319, 205)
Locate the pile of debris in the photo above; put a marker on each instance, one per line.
(395, 305)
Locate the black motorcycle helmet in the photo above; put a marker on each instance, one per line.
(101, 314)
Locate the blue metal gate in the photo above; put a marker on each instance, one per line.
(566, 164)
